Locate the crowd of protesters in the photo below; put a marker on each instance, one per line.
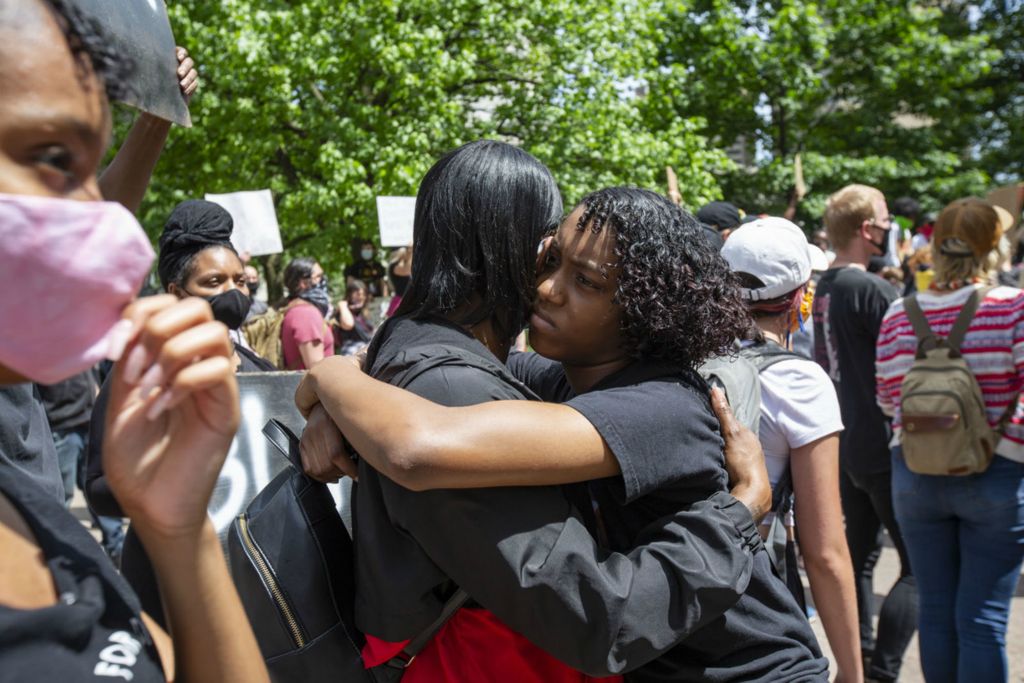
(589, 508)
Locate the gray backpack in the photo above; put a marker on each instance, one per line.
(945, 428)
(780, 547)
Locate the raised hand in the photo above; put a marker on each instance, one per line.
(172, 415)
(188, 77)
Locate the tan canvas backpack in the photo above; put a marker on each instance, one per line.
(945, 428)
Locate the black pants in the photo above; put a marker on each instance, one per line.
(867, 506)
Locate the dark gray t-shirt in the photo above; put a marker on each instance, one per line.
(26, 442)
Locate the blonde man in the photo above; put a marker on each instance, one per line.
(849, 305)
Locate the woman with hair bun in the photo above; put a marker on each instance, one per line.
(198, 259)
(964, 534)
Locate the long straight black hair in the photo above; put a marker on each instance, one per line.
(481, 211)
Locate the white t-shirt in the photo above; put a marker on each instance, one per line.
(798, 406)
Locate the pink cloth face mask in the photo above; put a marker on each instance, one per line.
(67, 269)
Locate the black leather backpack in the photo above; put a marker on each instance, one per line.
(291, 560)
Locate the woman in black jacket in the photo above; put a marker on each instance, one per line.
(629, 300)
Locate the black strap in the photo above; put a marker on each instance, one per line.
(285, 441)
(778, 541)
(404, 658)
(782, 493)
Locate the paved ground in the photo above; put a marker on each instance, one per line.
(885, 575)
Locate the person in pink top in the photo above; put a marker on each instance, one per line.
(306, 338)
(964, 534)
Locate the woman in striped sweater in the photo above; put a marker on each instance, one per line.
(964, 534)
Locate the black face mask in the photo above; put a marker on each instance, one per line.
(253, 286)
(883, 246)
(230, 307)
(319, 295)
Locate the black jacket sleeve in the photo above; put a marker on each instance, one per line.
(527, 557)
(525, 554)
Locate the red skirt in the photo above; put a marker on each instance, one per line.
(474, 647)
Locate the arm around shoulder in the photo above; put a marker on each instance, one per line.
(423, 445)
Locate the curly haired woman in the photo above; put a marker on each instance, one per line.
(629, 300)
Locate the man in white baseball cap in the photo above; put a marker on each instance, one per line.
(772, 257)
(799, 427)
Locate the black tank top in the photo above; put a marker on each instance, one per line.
(94, 632)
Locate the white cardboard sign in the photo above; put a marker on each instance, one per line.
(395, 216)
(256, 227)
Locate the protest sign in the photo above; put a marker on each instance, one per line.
(395, 216)
(673, 186)
(256, 228)
(1010, 197)
(799, 186)
(140, 31)
(252, 462)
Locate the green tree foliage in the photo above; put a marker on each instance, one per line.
(870, 91)
(330, 104)
(996, 120)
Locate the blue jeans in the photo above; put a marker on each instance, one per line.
(71, 446)
(965, 536)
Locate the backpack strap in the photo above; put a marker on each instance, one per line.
(284, 440)
(963, 320)
(765, 354)
(926, 339)
(404, 658)
(422, 359)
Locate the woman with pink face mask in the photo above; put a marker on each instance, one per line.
(69, 267)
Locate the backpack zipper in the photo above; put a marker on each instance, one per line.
(270, 580)
(950, 394)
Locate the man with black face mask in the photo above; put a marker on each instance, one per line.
(849, 305)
